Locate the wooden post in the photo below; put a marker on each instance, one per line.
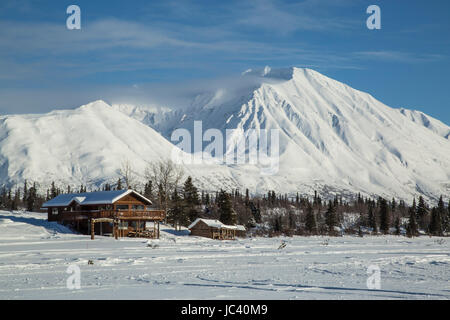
(158, 229)
(92, 228)
(115, 229)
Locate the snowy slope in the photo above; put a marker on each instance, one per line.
(333, 139)
(83, 146)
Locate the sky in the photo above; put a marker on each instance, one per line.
(125, 48)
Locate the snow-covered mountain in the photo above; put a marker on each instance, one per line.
(333, 138)
(83, 146)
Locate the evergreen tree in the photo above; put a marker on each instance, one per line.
(227, 214)
(310, 224)
(422, 212)
(438, 219)
(397, 226)
(436, 223)
(277, 224)
(53, 191)
(148, 190)
(330, 217)
(15, 200)
(4, 198)
(372, 218)
(384, 216)
(25, 191)
(175, 213)
(412, 228)
(31, 198)
(393, 206)
(119, 184)
(447, 219)
(191, 200)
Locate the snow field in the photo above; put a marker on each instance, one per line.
(35, 255)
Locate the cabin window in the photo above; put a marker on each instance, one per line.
(123, 225)
(122, 207)
(138, 207)
(54, 210)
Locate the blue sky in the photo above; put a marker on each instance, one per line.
(124, 45)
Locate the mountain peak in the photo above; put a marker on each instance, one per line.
(288, 73)
(95, 105)
(268, 72)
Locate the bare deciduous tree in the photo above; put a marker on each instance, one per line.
(126, 172)
(166, 176)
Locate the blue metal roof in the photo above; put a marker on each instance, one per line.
(90, 198)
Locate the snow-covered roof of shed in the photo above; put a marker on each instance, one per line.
(216, 224)
(209, 222)
(91, 198)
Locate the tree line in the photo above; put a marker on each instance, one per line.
(271, 213)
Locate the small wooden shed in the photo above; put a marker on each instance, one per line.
(215, 229)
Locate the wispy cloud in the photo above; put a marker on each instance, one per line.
(398, 56)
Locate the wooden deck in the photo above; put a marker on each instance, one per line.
(148, 215)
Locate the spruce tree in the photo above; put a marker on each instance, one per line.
(191, 200)
(277, 224)
(175, 213)
(447, 219)
(148, 190)
(437, 219)
(436, 223)
(397, 226)
(372, 218)
(384, 216)
(310, 224)
(422, 213)
(25, 191)
(31, 198)
(412, 228)
(330, 217)
(227, 214)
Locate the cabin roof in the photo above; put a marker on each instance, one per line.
(209, 222)
(216, 224)
(92, 198)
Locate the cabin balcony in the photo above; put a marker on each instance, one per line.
(149, 215)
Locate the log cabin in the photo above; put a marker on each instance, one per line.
(215, 229)
(119, 213)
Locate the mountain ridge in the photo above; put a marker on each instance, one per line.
(332, 137)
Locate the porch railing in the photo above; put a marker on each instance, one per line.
(156, 215)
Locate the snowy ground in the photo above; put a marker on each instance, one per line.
(35, 255)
